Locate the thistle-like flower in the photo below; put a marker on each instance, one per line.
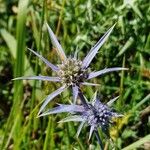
(95, 115)
(72, 72)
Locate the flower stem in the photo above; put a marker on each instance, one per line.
(82, 98)
(99, 140)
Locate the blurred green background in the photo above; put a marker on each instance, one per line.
(78, 25)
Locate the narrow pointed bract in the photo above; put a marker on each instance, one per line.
(75, 93)
(104, 71)
(87, 60)
(112, 101)
(53, 67)
(50, 97)
(76, 118)
(44, 78)
(91, 131)
(80, 128)
(63, 109)
(56, 44)
(90, 84)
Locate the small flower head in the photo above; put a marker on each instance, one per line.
(98, 115)
(95, 115)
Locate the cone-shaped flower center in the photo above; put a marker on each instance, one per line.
(71, 72)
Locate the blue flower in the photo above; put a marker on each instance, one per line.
(95, 114)
(71, 72)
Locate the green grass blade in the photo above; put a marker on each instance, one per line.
(138, 143)
(141, 102)
(49, 143)
(12, 45)
(126, 46)
(19, 71)
(19, 66)
(10, 41)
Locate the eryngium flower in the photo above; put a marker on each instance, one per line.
(95, 115)
(72, 72)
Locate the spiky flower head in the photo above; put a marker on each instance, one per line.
(72, 72)
(98, 114)
(95, 114)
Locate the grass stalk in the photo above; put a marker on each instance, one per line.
(18, 71)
